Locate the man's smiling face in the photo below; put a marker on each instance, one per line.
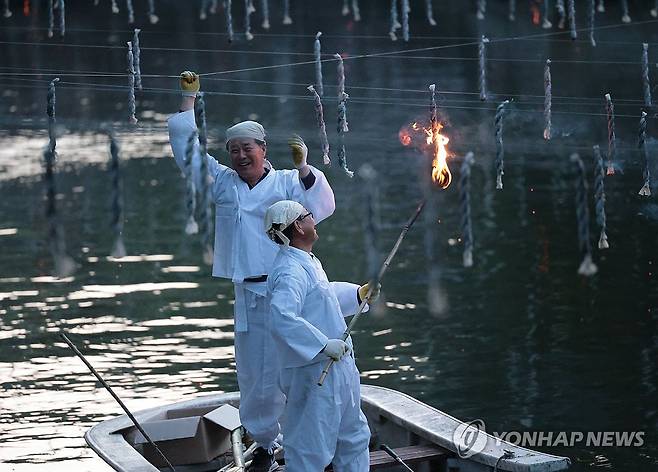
(247, 158)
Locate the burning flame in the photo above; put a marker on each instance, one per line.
(436, 142)
(440, 173)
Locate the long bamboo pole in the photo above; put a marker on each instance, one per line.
(374, 283)
(109, 389)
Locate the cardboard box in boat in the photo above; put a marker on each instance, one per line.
(187, 435)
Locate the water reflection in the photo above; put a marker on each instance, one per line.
(525, 342)
(191, 355)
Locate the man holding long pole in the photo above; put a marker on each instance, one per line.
(323, 425)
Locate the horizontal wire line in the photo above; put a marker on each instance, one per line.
(365, 100)
(328, 35)
(505, 59)
(372, 55)
(146, 48)
(430, 48)
(330, 56)
(144, 128)
(389, 55)
(570, 100)
(382, 54)
(573, 100)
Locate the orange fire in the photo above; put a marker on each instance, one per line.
(436, 142)
(440, 172)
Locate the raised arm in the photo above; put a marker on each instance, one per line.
(308, 185)
(182, 125)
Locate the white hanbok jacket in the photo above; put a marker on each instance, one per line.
(242, 249)
(307, 310)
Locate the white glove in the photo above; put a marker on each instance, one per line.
(299, 151)
(335, 349)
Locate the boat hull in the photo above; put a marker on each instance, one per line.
(395, 419)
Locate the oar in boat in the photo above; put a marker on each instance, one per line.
(109, 389)
(397, 459)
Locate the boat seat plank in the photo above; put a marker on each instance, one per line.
(409, 454)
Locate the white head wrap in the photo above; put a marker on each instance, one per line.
(245, 129)
(281, 215)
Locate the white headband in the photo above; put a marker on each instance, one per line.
(245, 129)
(281, 215)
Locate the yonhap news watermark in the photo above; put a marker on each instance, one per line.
(472, 438)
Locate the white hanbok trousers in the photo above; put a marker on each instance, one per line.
(261, 400)
(324, 424)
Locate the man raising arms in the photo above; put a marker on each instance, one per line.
(244, 254)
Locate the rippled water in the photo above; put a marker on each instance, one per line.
(522, 342)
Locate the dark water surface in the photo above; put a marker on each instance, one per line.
(519, 340)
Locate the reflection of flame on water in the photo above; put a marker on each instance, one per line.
(437, 142)
(535, 14)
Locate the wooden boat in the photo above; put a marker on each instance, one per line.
(422, 436)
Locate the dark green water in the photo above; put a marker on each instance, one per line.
(523, 341)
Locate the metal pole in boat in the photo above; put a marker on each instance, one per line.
(375, 283)
(238, 449)
(392, 453)
(109, 389)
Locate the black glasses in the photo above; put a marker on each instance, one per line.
(301, 218)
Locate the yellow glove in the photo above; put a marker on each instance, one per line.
(363, 292)
(299, 151)
(189, 83)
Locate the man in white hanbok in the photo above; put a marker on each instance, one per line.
(244, 254)
(322, 424)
